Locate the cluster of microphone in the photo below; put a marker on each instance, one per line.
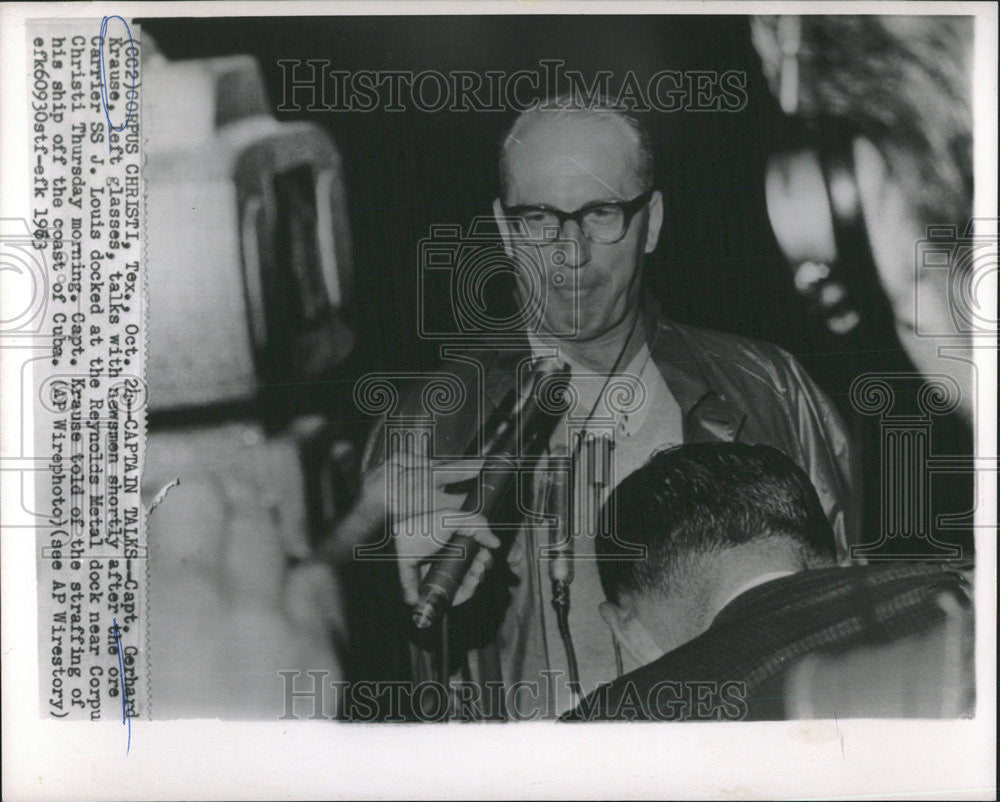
(521, 428)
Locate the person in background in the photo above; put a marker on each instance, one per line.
(901, 87)
(737, 588)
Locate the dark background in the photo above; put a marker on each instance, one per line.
(717, 264)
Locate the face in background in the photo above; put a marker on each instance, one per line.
(567, 160)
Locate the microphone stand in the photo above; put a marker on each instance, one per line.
(560, 554)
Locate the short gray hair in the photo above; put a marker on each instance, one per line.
(571, 103)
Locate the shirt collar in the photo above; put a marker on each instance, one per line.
(758, 580)
(708, 415)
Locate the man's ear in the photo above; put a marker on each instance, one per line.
(501, 218)
(655, 221)
(630, 632)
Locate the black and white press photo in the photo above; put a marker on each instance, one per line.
(462, 379)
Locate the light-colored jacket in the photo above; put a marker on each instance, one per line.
(729, 388)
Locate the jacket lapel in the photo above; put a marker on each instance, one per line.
(709, 416)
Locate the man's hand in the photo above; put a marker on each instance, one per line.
(425, 536)
(412, 491)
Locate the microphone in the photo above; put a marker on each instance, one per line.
(560, 553)
(559, 506)
(524, 431)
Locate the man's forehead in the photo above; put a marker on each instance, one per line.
(570, 155)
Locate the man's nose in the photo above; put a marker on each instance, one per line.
(573, 245)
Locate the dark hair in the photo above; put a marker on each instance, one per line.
(905, 82)
(577, 103)
(701, 498)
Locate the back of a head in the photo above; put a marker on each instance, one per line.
(700, 499)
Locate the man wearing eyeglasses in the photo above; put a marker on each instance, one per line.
(577, 213)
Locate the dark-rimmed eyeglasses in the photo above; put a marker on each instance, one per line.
(605, 221)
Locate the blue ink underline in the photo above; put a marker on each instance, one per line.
(102, 76)
(126, 718)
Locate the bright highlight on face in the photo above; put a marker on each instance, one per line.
(566, 161)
